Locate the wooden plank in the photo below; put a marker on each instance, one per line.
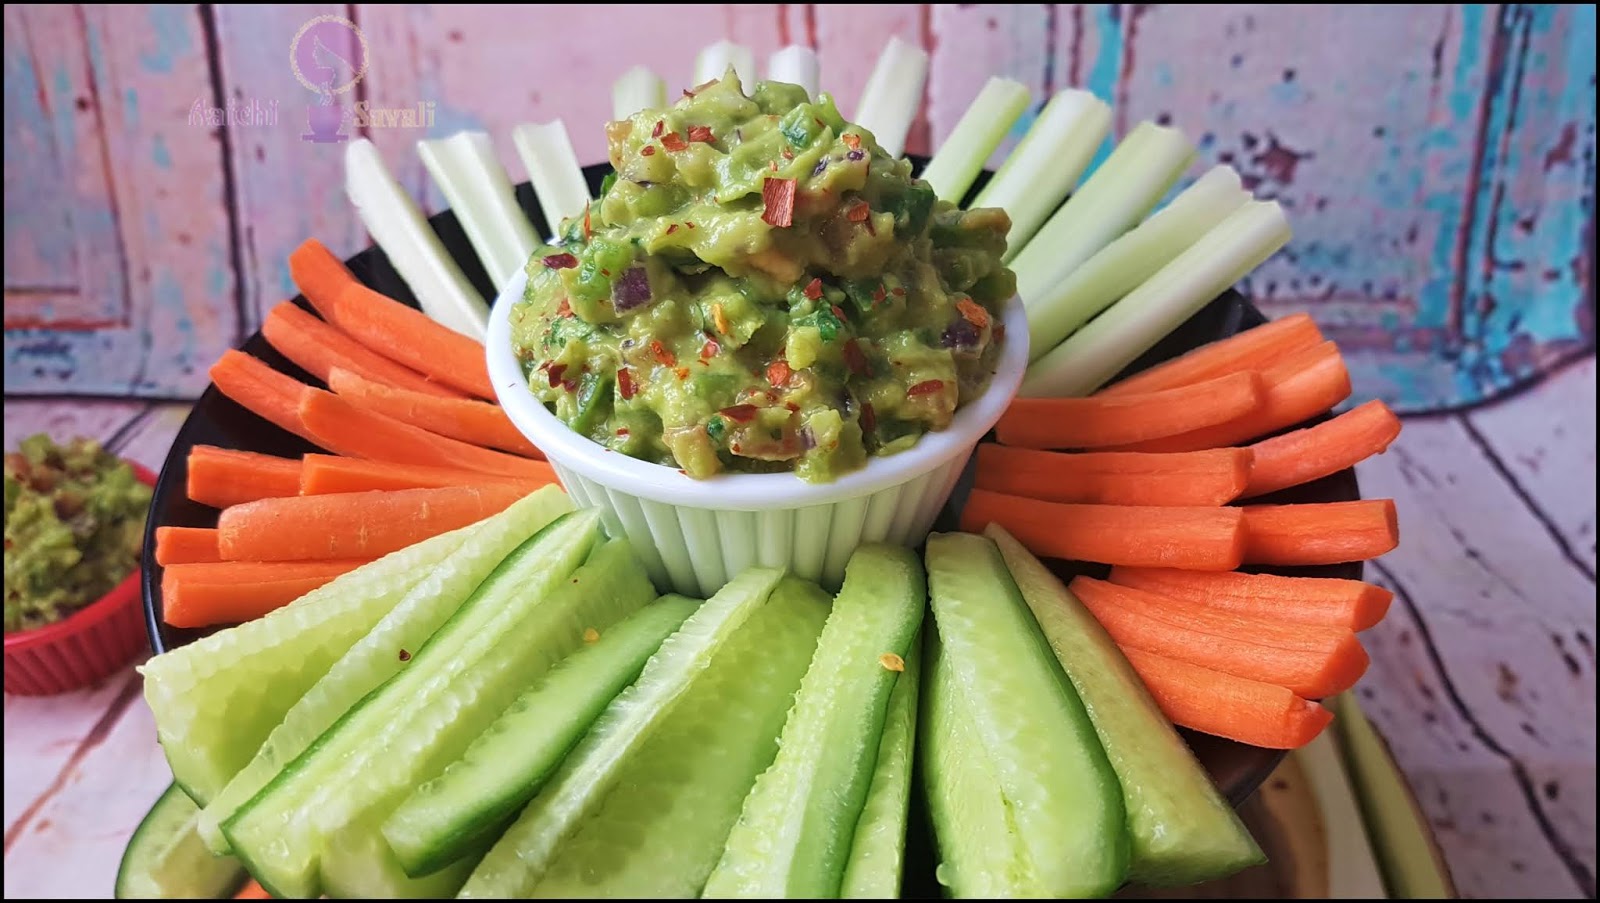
(973, 43)
(63, 420)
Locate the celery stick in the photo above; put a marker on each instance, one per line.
(637, 89)
(1116, 196)
(981, 129)
(797, 65)
(1047, 163)
(714, 61)
(1111, 341)
(552, 164)
(1119, 267)
(399, 227)
(480, 193)
(893, 95)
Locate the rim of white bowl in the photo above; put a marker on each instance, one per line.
(742, 491)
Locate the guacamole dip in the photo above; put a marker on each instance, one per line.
(74, 525)
(761, 288)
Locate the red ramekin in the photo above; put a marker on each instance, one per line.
(92, 643)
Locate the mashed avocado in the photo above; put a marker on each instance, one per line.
(74, 527)
(761, 288)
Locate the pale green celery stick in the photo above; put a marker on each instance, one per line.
(796, 65)
(1119, 267)
(553, 167)
(637, 89)
(1097, 352)
(980, 130)
(1045, 165)
(1116, 196)
(400, 229)
(714, 61)
(480, 193)
(893, 95)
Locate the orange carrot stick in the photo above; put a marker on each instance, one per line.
(477, 422)
(1205, 539)
(317, 348)
(1212, 702)
(356, 524)
(1310, 673)
(1298, 388)
(327, 474)
(1299, 600)
(342, 428)
(410, 337)
(261, 390)
(1327, 448)
(319, 275)
(1211, 477)
(200, 595)
(220, 477)
(1320, 534)
(1101, 421)
(252, 891)
(186, 545)
(1254, 349)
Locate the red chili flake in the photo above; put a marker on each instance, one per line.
(689, 223)
(710, 349)
(793, 408)
(778, 196)
(588, 232)
(700, 133)
(813, 289)
(840, 314)
(564, 309)
(626, 387)
(852, 141)
(788, 154)
(855, 359)
(560, 261)
(773, 165)
(623, 432)
(819, 122)
(671, 228)
(878, 294)
(972, 312)
(556, 373)
(740, 413)
(674, 142)
(571, 385)
(898, 292)
(661, 125)
(649, 150)
(662, 354)
(778, 373)
(605, 272)
(859, 212)
(926, 387)
(720, 319)
(869, 418)
(683, 372)
(405, 656)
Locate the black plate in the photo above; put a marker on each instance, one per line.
(216, 420)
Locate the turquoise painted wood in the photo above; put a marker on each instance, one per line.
(1438, 161)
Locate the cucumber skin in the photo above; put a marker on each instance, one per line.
(1055, 776)
(793, 836)
(1182, 830)
(584, 525)
(436, 824)
(168, 831)
(876, 864)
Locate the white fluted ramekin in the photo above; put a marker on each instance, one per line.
(695, 535)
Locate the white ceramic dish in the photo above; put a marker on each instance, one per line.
(694, 535)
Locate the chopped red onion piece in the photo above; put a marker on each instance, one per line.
(631, 290)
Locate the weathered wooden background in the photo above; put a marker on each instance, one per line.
(1438, 161)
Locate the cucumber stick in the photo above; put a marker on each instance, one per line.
(793, 835)
(504, 767)
(877, 858)
(1182, 831)
(216, 699)
(166, 859)
(280, 833)
(1057, 784)
(374, 658)
(591, 771)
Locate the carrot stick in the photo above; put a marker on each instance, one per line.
(1211, 477)
(328, 474)
(318, 348)
(252, 891)
(1320, 534)
(319, 275)
(200, 595)
(261, 390)
(1212, 702)
(342, 428)
(1327, 448)
(1204, 539)
(220, 477)
(355, 524)
(186, 545)
(410, 337)
(1298, 388)
(477, 422)
(1099, 421)
(1299, 600)
(1253, 349)
(1310, 673)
